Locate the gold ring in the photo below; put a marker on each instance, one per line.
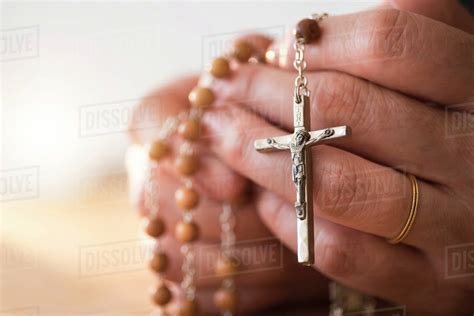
(412, 215)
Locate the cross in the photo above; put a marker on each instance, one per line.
(301, 169)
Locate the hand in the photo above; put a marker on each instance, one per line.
(374, 70)
(216, 182)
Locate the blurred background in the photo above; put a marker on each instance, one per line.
(71, 74)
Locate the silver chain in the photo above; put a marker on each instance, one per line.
(227, 220)
(169, 127)
(301, 81)
(189, 271)
(151, 187)
(300, 64)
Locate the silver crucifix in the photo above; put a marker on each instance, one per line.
(301, 169)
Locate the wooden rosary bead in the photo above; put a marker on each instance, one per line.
(162, 295)
(159, 262)
(226, 299)
(220, 68)
(186, 232)
(242, 51)
(226, 266)
(186, 164)
(190, 130)
(155, 227)
(308, 29)
(187, 308)
(201, 97)
(186, 198)
(158, 150)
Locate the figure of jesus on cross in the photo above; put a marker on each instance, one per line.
(301, 171)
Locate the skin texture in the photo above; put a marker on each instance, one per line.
(401, 99)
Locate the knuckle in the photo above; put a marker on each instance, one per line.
(341, 97)
(349, 189)
(339, 193)
(393, 34)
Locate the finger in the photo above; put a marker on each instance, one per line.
(446, 11)
(217, 180)
(255, 269)
(381, 120)
(397, 49)
(351, 191)
(350, 256)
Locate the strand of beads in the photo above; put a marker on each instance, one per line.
(226, 297)
(154, 224)
(187, 199)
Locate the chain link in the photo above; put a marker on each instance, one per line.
(227, 220)
(169, 127)
(300, 64)
(151, 189)
(189, 271)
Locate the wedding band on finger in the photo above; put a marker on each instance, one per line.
(413, 211)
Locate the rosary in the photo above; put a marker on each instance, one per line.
(188, 126)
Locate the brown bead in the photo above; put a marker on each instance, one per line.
(242, 51)
(308, 29)
(155, 227)
(162, 295)
(190, 130)
(186, 164)
(186, 198)
(187, 308)
(226, 266)
(201, 97)
(159, 262)
(186, 232)
(220, 68)
(158, 150)
(226, 299)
